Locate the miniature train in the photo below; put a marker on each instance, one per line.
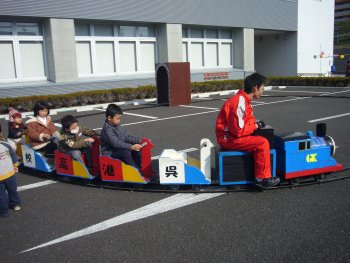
(293, 155)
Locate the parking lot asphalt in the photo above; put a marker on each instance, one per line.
(307, 224)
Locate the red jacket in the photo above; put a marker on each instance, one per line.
(236, 117)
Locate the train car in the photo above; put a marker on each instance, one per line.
(302, 154)
(294, 155)
(67, 166)
(35, 160)
(175, 168)
(114, 170)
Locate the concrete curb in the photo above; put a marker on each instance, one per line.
(134, 102)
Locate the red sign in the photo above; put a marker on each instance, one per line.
(215, 76)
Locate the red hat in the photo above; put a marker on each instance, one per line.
(13, 113)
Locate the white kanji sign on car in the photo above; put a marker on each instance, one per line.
(28, 156)
(171, 171)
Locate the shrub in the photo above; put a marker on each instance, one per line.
(309, 81)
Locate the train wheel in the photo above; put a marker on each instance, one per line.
(174, 187)
(294, 181)
(137, 186)
(196, 187)
(320, 177)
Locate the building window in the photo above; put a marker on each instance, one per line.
(105, 62)
(104, 50)
(7, 61)
(32, 59)
(197, 55)
(148, 54)
(5, 28)
(84, 57)
(127, 56)
(226, 54)
(104, 31)
(207, 48)
(212, 54)
(22, 52)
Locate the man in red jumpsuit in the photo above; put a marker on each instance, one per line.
(235, 126)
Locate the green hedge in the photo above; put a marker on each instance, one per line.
(144, 92)
(79, 98)
(209, 86)
(309, 81)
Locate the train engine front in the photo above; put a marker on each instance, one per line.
(302, 154)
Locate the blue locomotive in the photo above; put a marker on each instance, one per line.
(293, 155)
(303, 154)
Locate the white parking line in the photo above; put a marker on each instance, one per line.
(198, 107)
(201, 98)
(194, 114)
(331, 93)
(200, 113)
(291, 91)
(159, 207)
(330, 117)
(280, 101)
(35, 185)
(133, 114)
(258, 102)
(140, 115)
(163, 119)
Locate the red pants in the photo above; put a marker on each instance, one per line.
(258, 146)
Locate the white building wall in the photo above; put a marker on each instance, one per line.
(315, 34)
(276, 54)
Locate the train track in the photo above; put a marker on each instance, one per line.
(214, 188)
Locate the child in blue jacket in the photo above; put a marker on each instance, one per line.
(115, 140)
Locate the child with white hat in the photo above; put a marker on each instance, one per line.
(16, 128)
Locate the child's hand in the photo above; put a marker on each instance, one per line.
(89, 140)
(46, 136)
(16, 169)
(136, 147)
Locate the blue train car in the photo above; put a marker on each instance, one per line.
(302, 154)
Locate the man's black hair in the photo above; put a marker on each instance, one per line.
(40, 105)
(67, 121)
(112, 110)
(253, 80)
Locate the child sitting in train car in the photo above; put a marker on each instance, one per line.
(115, 140)
(16, 129)
(8, 186)
(41, 130)
(72, 139)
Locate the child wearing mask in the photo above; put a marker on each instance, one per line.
(72, 139)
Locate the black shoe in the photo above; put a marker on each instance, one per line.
(265, 183)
